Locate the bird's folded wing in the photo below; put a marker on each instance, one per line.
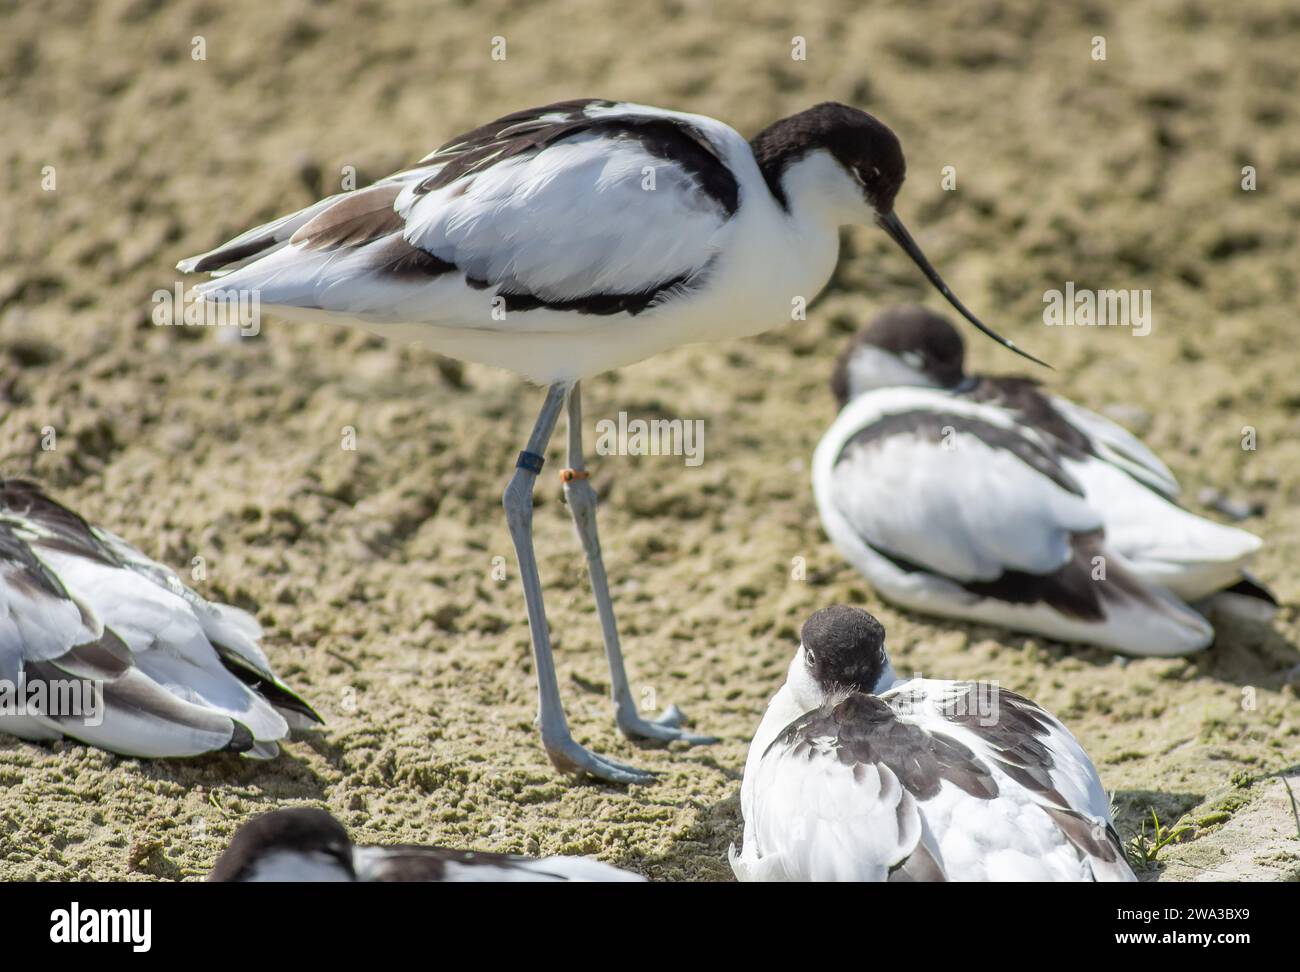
(79, 603)
(617, 206)
(55, 649)
(586, 206)
(1019, 739)
(38, 620)
(166, 640)
(233, 633)
(957, 495)
(833, 798)
(129, 712)
(1120, 447)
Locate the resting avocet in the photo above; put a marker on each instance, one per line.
(560, 242)
(989, 500)
(145, 665)
(304, 844)
(855, 775)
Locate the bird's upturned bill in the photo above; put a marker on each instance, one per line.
(892, 225)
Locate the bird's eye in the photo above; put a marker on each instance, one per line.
(809, 657)
(857, 174)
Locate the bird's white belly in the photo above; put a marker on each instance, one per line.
(547, 357)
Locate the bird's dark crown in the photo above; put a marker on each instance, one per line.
(844, 648)
(908, 331)
(302, 829)
(863, 145)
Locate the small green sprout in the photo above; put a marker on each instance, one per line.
(1145, 850)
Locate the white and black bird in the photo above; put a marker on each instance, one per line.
(302, 844)
(990, 500)
(562, 241)
(154, 669)
(856, 775)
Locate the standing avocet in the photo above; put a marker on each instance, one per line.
(986, 499)
(563, 241)
(856, 775)
(303, 844)
(168, 672)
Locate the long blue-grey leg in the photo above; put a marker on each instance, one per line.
(581, 497)
(564, 752)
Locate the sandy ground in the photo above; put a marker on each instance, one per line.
(372, 569)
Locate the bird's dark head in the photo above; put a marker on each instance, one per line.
(862, 146)
(901, 346)
(295, 844)
(838, 165)
(841, 648)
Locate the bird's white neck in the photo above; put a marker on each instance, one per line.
(814, 198)
(869, 368)
(298, 867)
(819, 191)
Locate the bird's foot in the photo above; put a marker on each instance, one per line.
(666, 728)
(568, 756)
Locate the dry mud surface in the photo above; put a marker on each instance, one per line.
(372, 570)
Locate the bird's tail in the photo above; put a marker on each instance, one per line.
(254, 244)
